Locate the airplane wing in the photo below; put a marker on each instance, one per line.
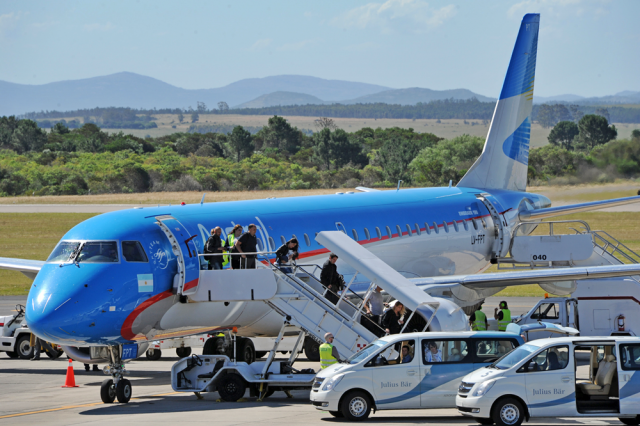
(545, 213)
(28, 267)
(536, 276)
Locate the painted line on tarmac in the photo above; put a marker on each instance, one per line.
(71, 407)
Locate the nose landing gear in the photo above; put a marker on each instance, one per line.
(117, 386)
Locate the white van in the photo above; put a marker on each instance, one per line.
(561, 377)
(380, 377)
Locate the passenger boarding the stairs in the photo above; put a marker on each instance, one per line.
(231, 240)
(285, 253)
(248, 243)
(392, 320)
(214, 246)
(328, 353)
(330, 278)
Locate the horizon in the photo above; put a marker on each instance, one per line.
(396, 44)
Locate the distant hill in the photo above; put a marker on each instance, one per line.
(413, 95)
(281, 98)
(559, 98)
(127, 89)
(624, 97)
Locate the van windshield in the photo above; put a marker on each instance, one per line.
(364, 354)
(514, 357)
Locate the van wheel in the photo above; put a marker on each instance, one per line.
(508, 412)
(356, 406)
(337, 414)
(23, 349)
(231, 387)
(630, 420)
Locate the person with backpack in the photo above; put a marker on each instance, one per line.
(214, 246)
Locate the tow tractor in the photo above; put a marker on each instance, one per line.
(230, 378)
(16, 339)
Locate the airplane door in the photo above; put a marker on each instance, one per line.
(186, 252)
(629, 377)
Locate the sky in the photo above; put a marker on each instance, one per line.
(586, 47)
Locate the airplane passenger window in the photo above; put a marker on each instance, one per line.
(418, 229)
(399, 230)
(294, 236)
(355, 234)
(436, 228)
(409, 230)
(484, 224)
(475, 224)
(306, 240)
(389, 233)
(260, 245)
(455, 226)
(378, 233)
(316, 234)
(466, 225)
(98, 252)
(366, 234)
(132, 251)
(445, 226)
(284, 241)
(427, 228)
(272, 244)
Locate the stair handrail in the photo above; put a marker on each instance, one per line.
(616, 248)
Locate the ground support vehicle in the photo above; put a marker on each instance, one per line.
(561, 377)
(16, 339)
(230, 378)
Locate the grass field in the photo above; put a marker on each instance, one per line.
(33, 236)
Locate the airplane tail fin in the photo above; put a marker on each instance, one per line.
(505, 157)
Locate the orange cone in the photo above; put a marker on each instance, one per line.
(70, 382)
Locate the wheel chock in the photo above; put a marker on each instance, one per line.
(220, 400)
(243, 400)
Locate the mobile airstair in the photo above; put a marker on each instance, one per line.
(301, 300)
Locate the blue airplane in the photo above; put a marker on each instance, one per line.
(112, 279)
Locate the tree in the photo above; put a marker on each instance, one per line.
(28, 137)
(60, 128)
(575, 112)
(594, 130)
(180, 117)
(195, 116)
(241, 142)
(603, 112)
(278, 133)
(395, 155)
(545, 116)
(202, 107)
(325, 123)
(635, 135)
(223, 106)
(563, 134)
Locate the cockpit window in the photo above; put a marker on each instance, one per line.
(98, 252)
(63, 251)
(132, 251)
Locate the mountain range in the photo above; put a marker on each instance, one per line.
(127, 89)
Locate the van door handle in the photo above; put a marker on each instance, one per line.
(566, 379)
(411, 372)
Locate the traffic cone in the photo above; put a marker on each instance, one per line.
(70, 382)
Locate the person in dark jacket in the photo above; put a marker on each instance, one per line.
(330, 278)
(248, 243)
(285, 253)
(392, 319)
(214, 245)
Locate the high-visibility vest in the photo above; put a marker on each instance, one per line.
(480, 323)
(326, 358)
(225, 259)
(506, 319)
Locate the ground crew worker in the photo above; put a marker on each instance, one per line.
(478, 320)
(328, 353)
(231, 239)
(503, 317)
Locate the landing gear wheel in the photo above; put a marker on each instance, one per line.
(311, 349)
(508, 412)
(246, 351)
(153, 354)
(630, 420)
(484, 421)
(107, 391)
(123, 391)
(55, 354)
(183, 352)
(23, 349)
(356, 406)
(337, 414)
(231, 387)
(215, 346)
(12, 355)
(260, 354)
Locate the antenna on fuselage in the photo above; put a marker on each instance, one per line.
(399, 182)
(450, 183)
(203, 195)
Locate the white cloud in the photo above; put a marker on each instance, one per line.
(98, 27)
(298, 45)
(261, 44)
(414, 15)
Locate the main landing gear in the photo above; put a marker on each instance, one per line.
(117, 386)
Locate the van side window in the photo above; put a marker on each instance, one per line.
(630, 357)
(399, 353)
(546, 311)
(133, 252)
(553, 358)
(445, 351)
(490, 350)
